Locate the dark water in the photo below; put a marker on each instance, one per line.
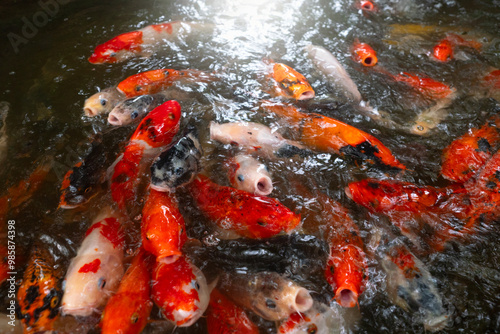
(46, 77)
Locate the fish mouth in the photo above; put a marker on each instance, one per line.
(90, 112)
(309, 94)
(77, 311)
(303, 300)
(263, 186)
(160, 188)
(370, 61)
(113, 120)
(167, 259)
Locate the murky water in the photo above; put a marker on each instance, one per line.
(46, 77)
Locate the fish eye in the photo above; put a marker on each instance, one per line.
(241, 178)
(270, 304)
(54, 302)
(196, 285)
(134, 318)
(112, 54)
(87, 190)
(134, 114)
(171, 116)
(138, 88)
(103, 102)
(312, 329)
(101, 283)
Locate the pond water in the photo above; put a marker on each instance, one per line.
(46, 78)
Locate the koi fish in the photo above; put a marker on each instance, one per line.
(328, 65)
(409, 283)
(180, 290)
(142, 42)
(134, 109)
(102, 102)
(267, 294)
(255, 137)
(319, 319)
(128, 310)
(95, 273)
(163, 229)
(491, 83)
(248, 174)
(82, 182)
(248, 215)
(443, 50)
(385, 196)
(430, 118)
(4, 111)
(465, 156)
(290, 83)
(366, 6)
(40, 293)
(326, 134)
(178, 164)
(156, 130)
(346, 270)
(155, 81)
(426, 86)
(364, 54)
(223, 316)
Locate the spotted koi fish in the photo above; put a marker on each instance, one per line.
(180, 290)
(364, 54)
(128, 310)
(39, 295)
(95, 273)
(465, 156)
(290, 83)
(154, 81)
(326, 134)
(163, 229)
(157, 129)
(238, 211)
(142, 42)
(223, 316)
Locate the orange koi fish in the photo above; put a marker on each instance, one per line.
(326, 134)
(247, 215)
(386, 196)
(346, 270)
(180, 290)
(154, 81)
(290, 83)
(468, 154)
(427, 86)
(127, 311)
(40, 292)
(364, 54)
(224, 317)
(367, 6)
(157, 129)
(492, 80)
(443, 51)
(142, 42)
(163, 229)
(95, 273)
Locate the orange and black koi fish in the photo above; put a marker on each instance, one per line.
(364, 54)
(155, 81)
(326, 134)
(238, 211)
(157, 129)
(290, 83)
(128, 310)
(180, 291)
(142, 42)
(465, 156)
(425, 85)
(163, 229)
(39, 295)
(224, 317)
(443, 51)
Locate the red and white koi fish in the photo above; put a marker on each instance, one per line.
(290, 83)
(155, 81)
(180, 290)
(95, 273)
(319, 319)
(238, 211)
(255, 137)
(223, 316)
(127, 311)
(248, 174)
(142, 42)
(326, 134)
(157, 129)
(267, 294)
(364, 54)
(465, 156)
(163, 229)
